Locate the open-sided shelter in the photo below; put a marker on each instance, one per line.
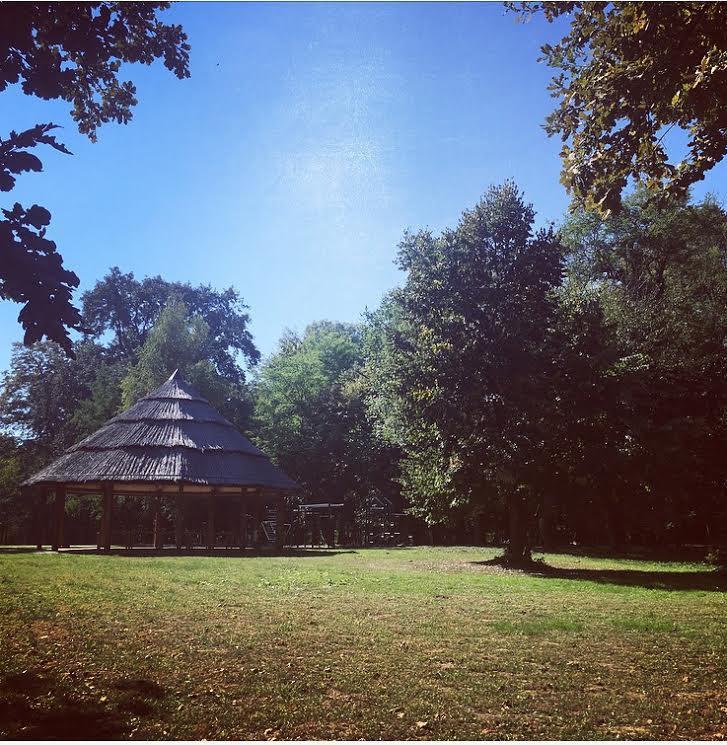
(171, 445)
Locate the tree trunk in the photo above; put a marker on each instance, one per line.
(518, 550)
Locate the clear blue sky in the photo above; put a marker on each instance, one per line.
(308, 138)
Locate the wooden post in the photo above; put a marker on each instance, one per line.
(39, 516)
(59, 513)
(179, 519)
(243, 519)
(280, 522)
(211, 520)
(331, 527)
(158, 537)
(107, 507)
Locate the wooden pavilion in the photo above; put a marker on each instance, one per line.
(171, 445)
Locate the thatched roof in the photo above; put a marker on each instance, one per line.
(172, 435)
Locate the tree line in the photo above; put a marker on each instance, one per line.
(543, 386)
(532, 386)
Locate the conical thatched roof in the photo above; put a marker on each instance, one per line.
(172, 435)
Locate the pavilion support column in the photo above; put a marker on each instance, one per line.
(59, 514)
(331, 528)
(280, 522)
(158, 533)
(243, 519)
(39, 516)
(211, 499)
(107, 516)
(179, 519)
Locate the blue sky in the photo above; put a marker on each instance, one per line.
(308, 138)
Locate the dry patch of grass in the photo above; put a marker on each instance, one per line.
(397, 644)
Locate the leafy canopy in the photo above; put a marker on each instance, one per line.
(176, 341)
(627, 73)
(125, 308)
(40, 395)
(462, 379)
(310, 414)
(73, 52)
(660, 276)
(31, 270)
(180, 340)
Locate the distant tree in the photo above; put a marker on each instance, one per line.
(11, 474)
(104, 399)
(310, 415)
(629, 72)
(74, 52)
(127, 309)
(660, 277)
(48, 402)
(181, 341)
(40, 393)
(467, 361)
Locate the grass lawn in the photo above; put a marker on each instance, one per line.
(425, 643)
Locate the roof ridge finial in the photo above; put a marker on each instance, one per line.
(174, 376)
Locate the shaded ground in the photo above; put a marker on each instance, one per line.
(396, 644)
(705, 580)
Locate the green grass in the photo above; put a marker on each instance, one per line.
(427, 643)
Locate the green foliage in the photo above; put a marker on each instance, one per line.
(627, 73)
(310, 414)
(104, 399)
(41, 391)
(32, 271)
(72, 52)
(182, 341)
(660, 278)
(42, 396)
(175, 341)
(11, 474)
(127, 309)
(465, 368)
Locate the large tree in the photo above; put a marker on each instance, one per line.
(73, 52)
(627, 73)
(464, 380)
(126, 309)
(182, 340)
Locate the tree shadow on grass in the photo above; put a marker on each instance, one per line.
(28, 712)
(705, 581)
